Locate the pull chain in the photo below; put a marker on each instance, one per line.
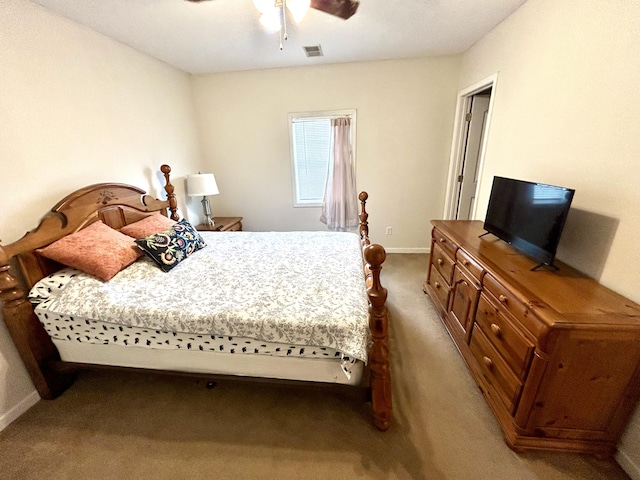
(283, 23)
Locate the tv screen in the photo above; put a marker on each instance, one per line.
(529, 216)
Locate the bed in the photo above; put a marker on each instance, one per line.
(263, 306)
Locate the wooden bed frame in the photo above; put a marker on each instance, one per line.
(117, 205)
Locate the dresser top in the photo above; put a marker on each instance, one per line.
(565, 291)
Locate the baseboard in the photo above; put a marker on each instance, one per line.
(28, 402)
(628, 465)
(407, 250)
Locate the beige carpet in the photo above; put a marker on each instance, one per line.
(137, 426)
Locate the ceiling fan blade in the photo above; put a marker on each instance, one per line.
(339, 8)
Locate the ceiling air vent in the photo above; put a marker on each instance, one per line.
(313, 50)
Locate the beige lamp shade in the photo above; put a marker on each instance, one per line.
(202, 184)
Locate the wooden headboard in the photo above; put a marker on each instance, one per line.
(116, 204)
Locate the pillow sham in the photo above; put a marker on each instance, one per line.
(167, 249)
(98, 250)
(148, 226)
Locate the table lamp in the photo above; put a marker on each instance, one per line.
(203, 184)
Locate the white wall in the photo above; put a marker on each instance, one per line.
(566, 112)
(405, 114)
(75, 109)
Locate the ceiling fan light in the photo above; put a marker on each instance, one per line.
(298, 8)
(264, 6)
(271, 19)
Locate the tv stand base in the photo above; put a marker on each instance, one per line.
(546, 266)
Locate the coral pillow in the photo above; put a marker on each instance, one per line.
(98, 250)
(148, 226)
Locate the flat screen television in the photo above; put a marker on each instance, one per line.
(529, 216)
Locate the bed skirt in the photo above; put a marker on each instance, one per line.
(322, 370)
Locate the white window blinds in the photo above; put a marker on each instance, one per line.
(312, 150)
(311, 144)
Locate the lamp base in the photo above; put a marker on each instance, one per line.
(206, 207)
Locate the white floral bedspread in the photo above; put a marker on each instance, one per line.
(303, 288)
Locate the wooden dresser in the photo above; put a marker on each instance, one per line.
(556, 354)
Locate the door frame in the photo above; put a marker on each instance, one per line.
(459, 139)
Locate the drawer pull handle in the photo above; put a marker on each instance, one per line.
(465, 263)
(436, 284)
(496, 329)
(502, 298)
(487, 361)
(443, 240)
(440, 261)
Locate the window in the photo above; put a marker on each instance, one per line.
(311, 150)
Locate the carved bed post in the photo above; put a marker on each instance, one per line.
(171, 197)
(364, 224)
(31, 340)
(379, 373)
(380, 377)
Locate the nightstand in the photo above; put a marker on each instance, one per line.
(223, 224)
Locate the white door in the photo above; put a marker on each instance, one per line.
(468, 176)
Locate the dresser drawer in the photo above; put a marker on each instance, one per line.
(470, 264)
(440, 287)
(463, 300)
(444, 242)
(442, 262)
(507, 339)
(495, 370)
(512, 305)
(236, 227)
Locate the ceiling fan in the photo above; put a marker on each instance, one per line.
(339, 8)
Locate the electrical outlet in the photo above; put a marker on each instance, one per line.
(389, 231)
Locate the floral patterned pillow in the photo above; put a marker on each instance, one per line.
(172, 246)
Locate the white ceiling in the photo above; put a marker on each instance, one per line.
(225, 35)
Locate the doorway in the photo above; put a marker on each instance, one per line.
(475, 120)
(467, 153)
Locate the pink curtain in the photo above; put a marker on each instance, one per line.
(340, 206)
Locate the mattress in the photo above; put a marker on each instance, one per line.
(252, 272)
(308, 369)
(68, 329)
